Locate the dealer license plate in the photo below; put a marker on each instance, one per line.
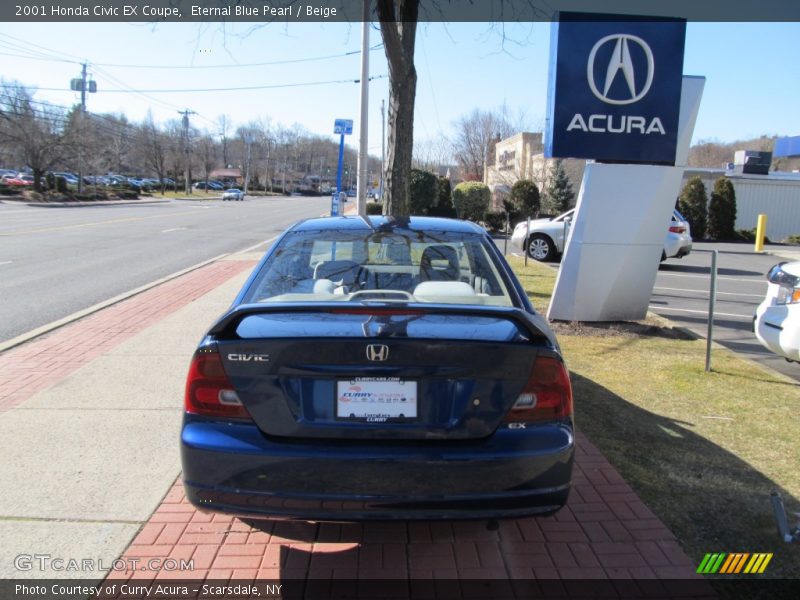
(376, 399)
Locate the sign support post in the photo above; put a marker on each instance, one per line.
(342, 127)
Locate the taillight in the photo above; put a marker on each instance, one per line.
(209, 392)
(547, 395)
(677, 229)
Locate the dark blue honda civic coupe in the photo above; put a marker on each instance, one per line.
(379, 368)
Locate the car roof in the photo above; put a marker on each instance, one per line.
(355, 223)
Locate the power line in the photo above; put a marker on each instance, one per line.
(62, 60)
(49, 51)
(36, 55)
(125, 88)
(239, 65)
(226, 89)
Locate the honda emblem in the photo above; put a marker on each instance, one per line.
(377, 352)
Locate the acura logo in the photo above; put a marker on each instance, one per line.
(377, 352)
(621, 61)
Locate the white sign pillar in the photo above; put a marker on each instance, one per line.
(617, 234)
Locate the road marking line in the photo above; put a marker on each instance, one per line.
(705, 292)
(79, 225)
(700, 312)
(6, 262)
(173, 229)
(727, 278)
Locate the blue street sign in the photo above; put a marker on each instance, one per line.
(343, 126)
(615, 88)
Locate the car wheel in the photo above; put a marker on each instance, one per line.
(541, 248)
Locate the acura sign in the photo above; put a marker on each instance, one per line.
(615, 88)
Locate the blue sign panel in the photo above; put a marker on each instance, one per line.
(343, 126)
(615, 88)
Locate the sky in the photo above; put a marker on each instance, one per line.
(752, 71)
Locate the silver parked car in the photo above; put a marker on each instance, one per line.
(233, 194)
(546, 237)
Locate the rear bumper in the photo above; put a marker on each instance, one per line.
(235, 469)
(777, 327)
(684, 250)
(677, 246)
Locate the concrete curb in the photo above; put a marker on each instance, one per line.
(82, 203)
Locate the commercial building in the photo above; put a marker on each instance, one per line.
(521, 156)
(776, 194)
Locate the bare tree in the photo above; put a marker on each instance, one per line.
(207, 153)
(248, 135)
(154, 149)
(475, 137)
(175, 154)
(223, 128)
(119, 143)
(36, 131)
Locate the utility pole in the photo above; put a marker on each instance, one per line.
(383, 145)
(188, 165)
(82, 118)
(249, 141)
(83, 88)
(80, 84)
(363, 144)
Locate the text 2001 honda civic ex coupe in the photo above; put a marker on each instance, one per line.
(374, 368)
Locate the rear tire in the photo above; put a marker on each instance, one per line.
(541, 248)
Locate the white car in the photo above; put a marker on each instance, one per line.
(777, 320)
(545, 240)
(233, 194)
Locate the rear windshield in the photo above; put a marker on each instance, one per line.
(392, 266)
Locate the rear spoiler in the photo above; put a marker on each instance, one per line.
(534, 325)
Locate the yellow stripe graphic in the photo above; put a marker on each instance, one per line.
(765, 563)
(752, 566)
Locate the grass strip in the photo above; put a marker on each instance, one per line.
(703, 450)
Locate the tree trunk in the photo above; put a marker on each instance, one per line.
(397, 198)
(37, 179)
(398, 20)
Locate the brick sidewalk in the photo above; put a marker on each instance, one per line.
(605, 533)
(44, 361)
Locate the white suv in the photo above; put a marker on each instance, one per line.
(777, 320)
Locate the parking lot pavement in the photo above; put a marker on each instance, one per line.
(681, 294)
(89, 433)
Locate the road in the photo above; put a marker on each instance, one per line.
(57, 260)
(682, 290)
